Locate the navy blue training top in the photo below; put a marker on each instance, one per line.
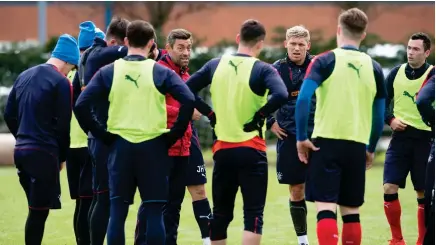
(38, 111)
(263, 76)
(98, 89)
(425, 102)
(99, 56)
(319, 71)
(323, 66)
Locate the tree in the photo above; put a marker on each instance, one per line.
(159, 13)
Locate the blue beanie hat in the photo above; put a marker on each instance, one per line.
(86, 34)
(99, 33)
(67, 50)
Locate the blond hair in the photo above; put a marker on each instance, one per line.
(298, 32)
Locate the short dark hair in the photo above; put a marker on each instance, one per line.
(117, 29)
(252, 31)
(178, 34)
(426, 41)
(139, 33)
(353, 22)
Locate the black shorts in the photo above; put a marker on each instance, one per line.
(337, 173)
(38, 170)
(79, 173)
(196, 171)
(242, 167)
(406, 155)
(100, 154)
(144, 165)
(290, 170)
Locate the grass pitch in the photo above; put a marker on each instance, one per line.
(278, 228)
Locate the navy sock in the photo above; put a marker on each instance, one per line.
(202, 214)
(155, 233)
(100, 219)
(35, 226)
(91, 209)
(140, 226)
(118, 213)
(76, 213)
(299, 216)
(82, 222)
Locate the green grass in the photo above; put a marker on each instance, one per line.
(278, 228)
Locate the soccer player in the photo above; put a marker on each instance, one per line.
(425, 104)
(79, 166)
(239, 86)
(350, 96)
(102, 52)
(38, 114)
(188, 164)
(290, 170)
(410, 145)
(134, 90)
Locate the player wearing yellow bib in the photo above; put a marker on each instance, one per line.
(239, 86)
(79, 165)
(134, 89)
(411, 138)
(349, 116)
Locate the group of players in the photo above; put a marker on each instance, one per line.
(137, 102)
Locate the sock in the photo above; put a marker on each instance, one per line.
(118, 213)
(155, 234)
(82, 222)
(202, 214)
(140, 226)
(76, 213)
(206, 241)
(421, 220)
(35, 225)
(91, 209)
(351, 229)
(326, 228)
(393, 214)
(303, 240)
(299, 218)
(100, 219)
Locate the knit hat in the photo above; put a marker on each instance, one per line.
(86, 34)
(67, 50)
(99, 33)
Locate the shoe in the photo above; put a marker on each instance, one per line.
(397, 242)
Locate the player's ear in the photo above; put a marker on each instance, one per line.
(285, 43)
(427, 53)
(150, 43)
(238, 39)
(126, 41)
(308, 45)
(363, 36)
(168, 47)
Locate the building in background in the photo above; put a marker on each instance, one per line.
(214, 22)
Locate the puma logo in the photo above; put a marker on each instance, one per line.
(208, 217)
(234, 66)
(352, 66)
(129, 78)
(407, 94)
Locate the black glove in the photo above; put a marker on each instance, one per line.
(256, 124)
(172, 136)
(212, 119)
